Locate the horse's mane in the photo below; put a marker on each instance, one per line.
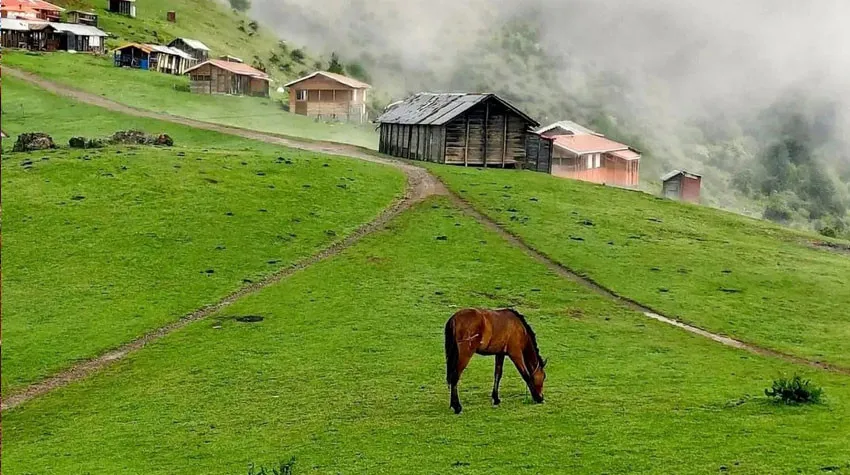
(530, 332)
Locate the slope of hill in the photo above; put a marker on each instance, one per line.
(103, 245)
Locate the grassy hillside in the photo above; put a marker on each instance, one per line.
(346, 374)
(103, 245)
(169, 94)
(746, 278)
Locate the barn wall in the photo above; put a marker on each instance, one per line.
(691, 189)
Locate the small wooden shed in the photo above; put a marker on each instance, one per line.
(461, 129)
(682, 185)
(122, 7)
(327, 95)
(81, 17)
(226, 77)
(193, 48)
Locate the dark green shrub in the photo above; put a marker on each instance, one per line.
(794, 391)
(297, 55)
(283, 468)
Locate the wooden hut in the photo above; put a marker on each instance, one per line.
(593, 158)
(226, 77)
(193, 48)
(16, 34)
(327, 95)
(52, 36)
(81, 17)
(682, 185)
(460, 129)
(153, 57)
(122, 7)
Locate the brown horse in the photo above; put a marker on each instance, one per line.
(493, 332)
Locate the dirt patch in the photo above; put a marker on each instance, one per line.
(836, 247)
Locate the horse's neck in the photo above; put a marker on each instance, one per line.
(530, 356)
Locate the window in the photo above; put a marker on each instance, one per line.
(589, 161)
(301, 95)
(598, 157)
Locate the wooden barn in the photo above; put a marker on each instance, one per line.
(595, 159)
(81, 17)
(122, 7)
(462, 129)
(153, 57)
(682, 185)
(193, 48)
(226, 77)
(327, 95)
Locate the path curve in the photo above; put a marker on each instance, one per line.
(421, 184)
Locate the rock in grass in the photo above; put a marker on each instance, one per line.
(30, 141)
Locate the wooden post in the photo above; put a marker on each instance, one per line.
(465, 143)
(409, 139)
(505, 141)
(486, 124)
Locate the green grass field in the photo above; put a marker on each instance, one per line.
(103, 245)
(163, 93)
(346, 374)
(746, 278)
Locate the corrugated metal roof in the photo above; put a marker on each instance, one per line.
(13, 24)
(149, 48)
(568, 125)
(194, 44)
(427, 108)
(75, 29)
(676, 173)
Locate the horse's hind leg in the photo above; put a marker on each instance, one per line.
(497, 377)
(463, 361)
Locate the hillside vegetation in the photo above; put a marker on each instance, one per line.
(346, 374)
(103, 245)
(746, 278)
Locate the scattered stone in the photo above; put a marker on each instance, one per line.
(28, 142)
(586, 222)
(263, 210)
(229, 213)
(655, 269)
(78, 197)
(208, 271)
(533, 199)
(250, 319)
(655, 220)
(261, 173)
(442, 238)
(211, 180)
(730, 291)
(576, 238)
(273, 262)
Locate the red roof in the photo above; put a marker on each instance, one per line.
(241, 69)
(29, 5)
(588, 144)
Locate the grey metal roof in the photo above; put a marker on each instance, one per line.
(675, 173)
(13, 24)
(567, 125)
(170, 50)
(73, 28)
(427, 108)
(194, 44)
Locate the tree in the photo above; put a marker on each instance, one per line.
(240, 5)
(357, 71)
(334, 66)
(297, 55)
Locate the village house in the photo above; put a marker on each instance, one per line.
(81, 17)
(217, 76)
(153, 57)
(682, 185)
(327, 95)
(462, 129)
(193, 48)
(582, 154)
(30, 10)
(52, 36)
(122, 7)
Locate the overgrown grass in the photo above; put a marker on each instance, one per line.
(735, 275)
(346, 374)
(163, 93)
(102, 245)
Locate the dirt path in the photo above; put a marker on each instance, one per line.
(421, 184)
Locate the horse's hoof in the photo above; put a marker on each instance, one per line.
(457, 409)
(496, 402)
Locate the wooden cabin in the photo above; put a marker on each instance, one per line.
(52, 36)
(153, 57)
(327, 95)
(226, 77)
(682, 185)
(594, 158)
(82, 18)
(30, 10)
(460, 129)
(122, 7)
(193, 48)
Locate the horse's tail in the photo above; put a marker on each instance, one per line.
(452, 354)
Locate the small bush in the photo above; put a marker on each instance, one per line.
(283, 468)
(794, 391)
(297, 55)
(183, 87)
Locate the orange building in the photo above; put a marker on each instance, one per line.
(30, 10)
(593, 158)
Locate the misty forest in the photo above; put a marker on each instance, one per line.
(743, 101)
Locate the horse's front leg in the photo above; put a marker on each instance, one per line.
(497, 377)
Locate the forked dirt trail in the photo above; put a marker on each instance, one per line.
(421, 184)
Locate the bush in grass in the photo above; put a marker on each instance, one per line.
(82, 142)
(283, 468)
(795, 390)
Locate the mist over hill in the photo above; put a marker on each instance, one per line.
(751, 94)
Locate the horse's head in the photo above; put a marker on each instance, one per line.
(538, 377)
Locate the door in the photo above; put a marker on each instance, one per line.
(671, 189)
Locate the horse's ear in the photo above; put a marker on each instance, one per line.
(545, 362)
